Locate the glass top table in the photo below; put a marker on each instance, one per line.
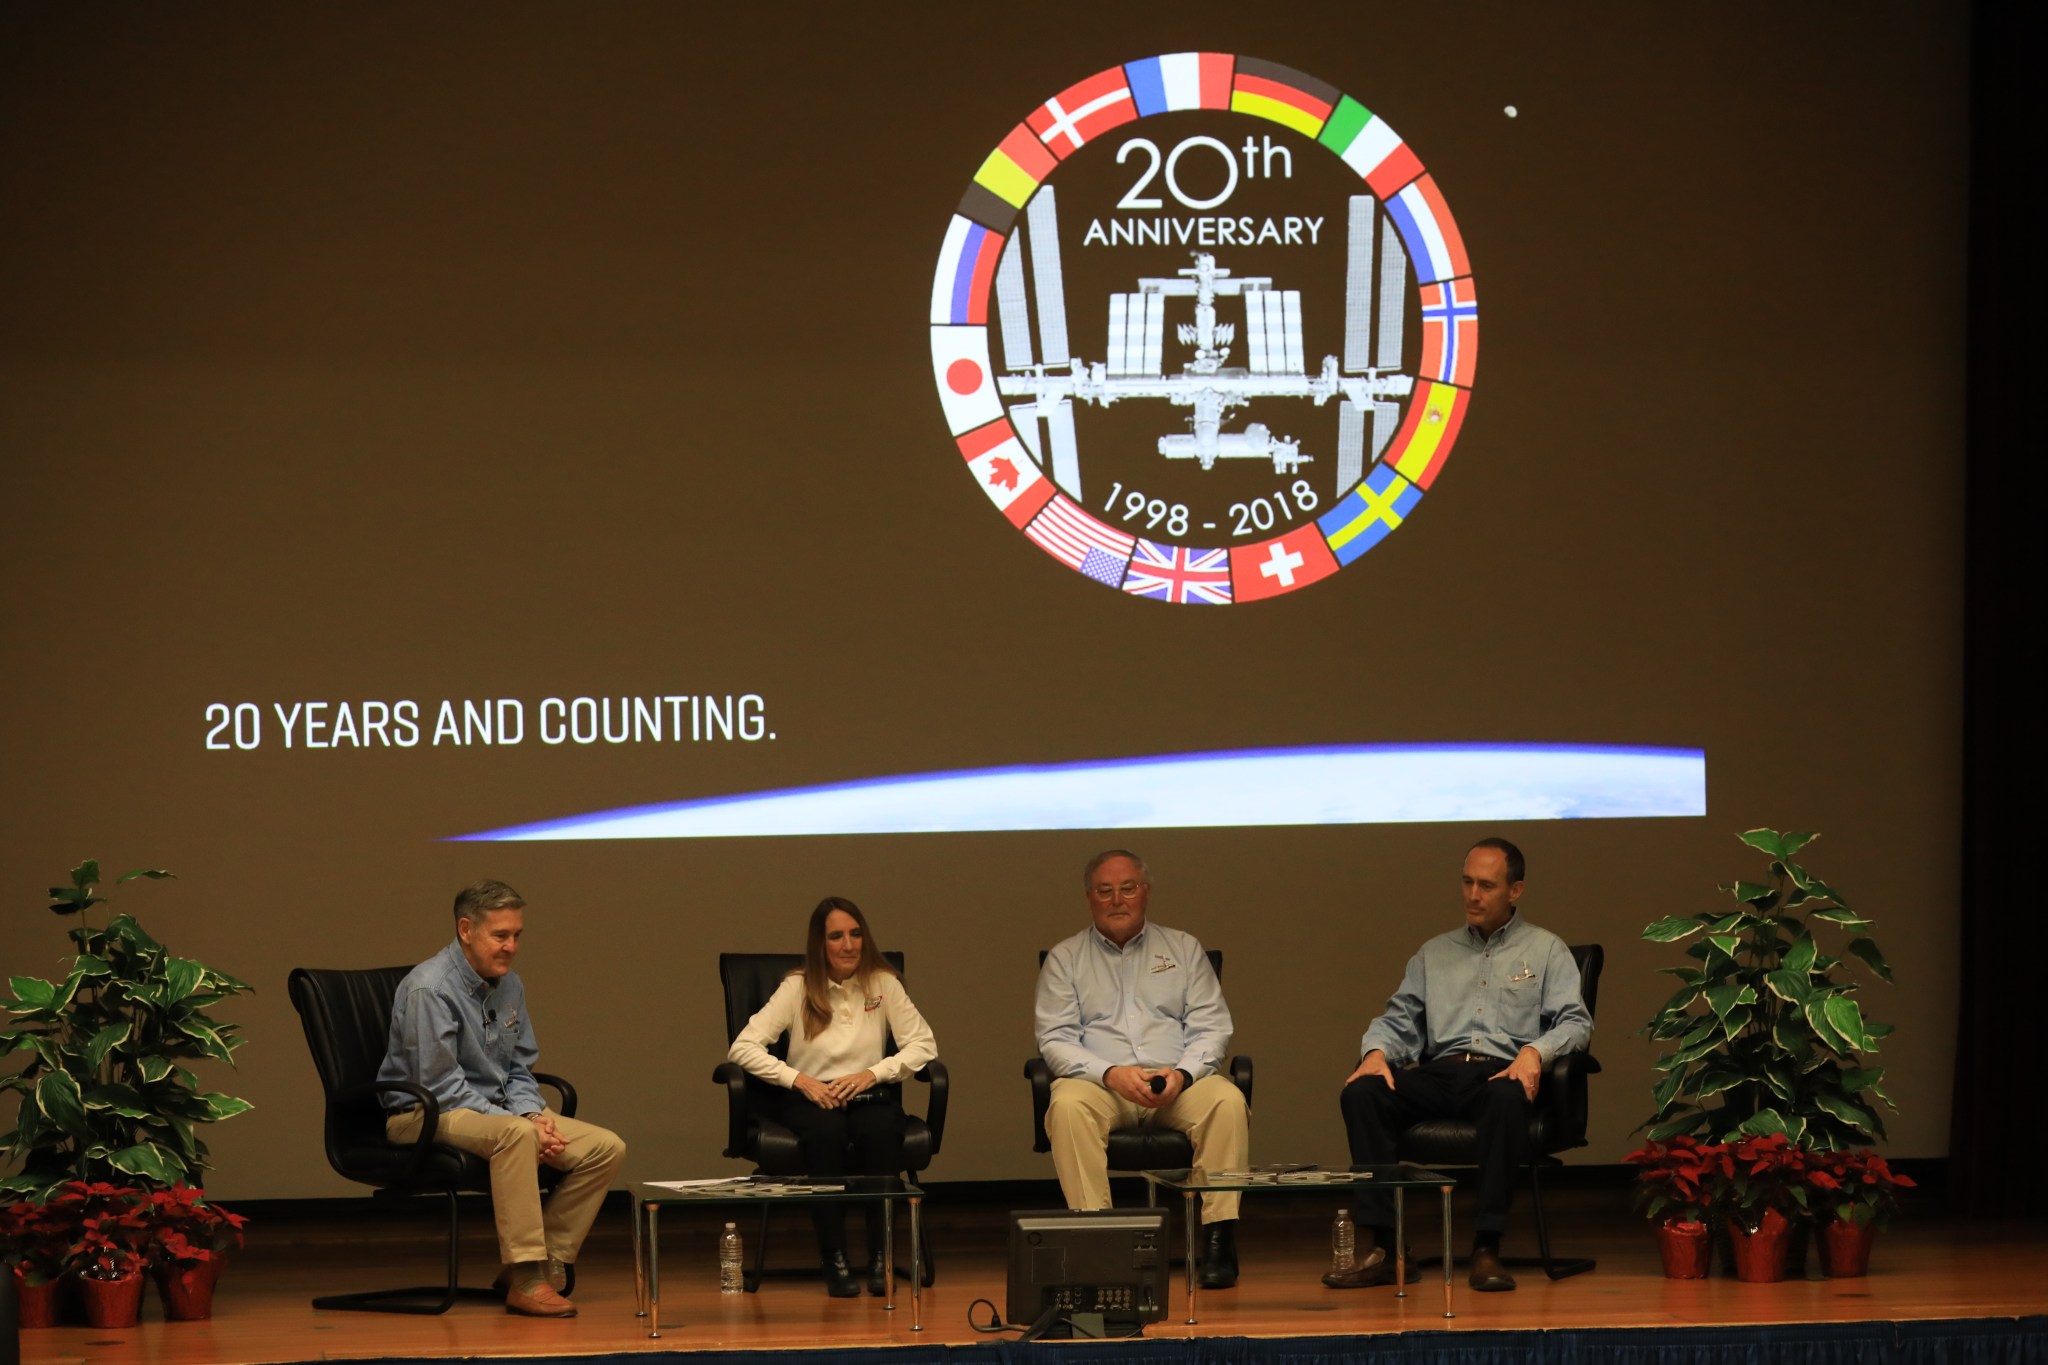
(1399, 1177)
(650, 1197)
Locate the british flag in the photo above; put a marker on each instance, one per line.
(1175, 573)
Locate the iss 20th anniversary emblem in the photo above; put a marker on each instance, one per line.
(1203, 328)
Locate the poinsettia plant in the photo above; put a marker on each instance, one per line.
(113, 1223)
(36, 1240)
(105, 1095)
(1856, 1186)
(1680, 1180)
(185, 1229)
(1767, 1172)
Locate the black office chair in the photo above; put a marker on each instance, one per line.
(749, 979)
(347, 1017)
(1557, 1123)
(1140, 1146)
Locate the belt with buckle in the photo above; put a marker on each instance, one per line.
(1470, 1057)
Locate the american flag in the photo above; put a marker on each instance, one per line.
(1174, 573)
(1081, 542)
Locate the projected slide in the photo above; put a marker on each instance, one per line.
(1241, 256)
(1361, 784)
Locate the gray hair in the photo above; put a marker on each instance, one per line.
(1095, 863)
(478, 899)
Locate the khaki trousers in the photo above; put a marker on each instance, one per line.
(512, 1146)
(1212, 1112)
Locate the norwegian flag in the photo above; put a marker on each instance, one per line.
(1081, 542)
(1082, 111)
(1174, 573)
(1450, 332)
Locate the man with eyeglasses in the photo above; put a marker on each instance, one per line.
(1479, 1015)
(1132, 1023)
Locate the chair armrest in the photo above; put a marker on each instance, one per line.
(934, 1074)
(1563, 1096)
(567, 1107)
(1040, 1076)
(1241, 1076)
(733, 1077)
(430, 1114)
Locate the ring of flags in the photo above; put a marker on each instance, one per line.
(1360, 517)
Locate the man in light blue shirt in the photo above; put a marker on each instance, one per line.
(1132, 1024)
(460, 1031)
(1480, 1013)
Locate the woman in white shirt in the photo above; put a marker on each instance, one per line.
(841, 1096)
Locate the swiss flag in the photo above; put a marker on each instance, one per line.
(1282, 564)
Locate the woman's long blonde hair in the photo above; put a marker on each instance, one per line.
(817, 978)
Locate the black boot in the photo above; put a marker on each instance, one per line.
(878, 1276)
(839, 1280)
(1218, 1268)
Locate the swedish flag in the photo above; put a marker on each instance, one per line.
(1368, 514)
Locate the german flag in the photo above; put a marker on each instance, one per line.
(1282, 94)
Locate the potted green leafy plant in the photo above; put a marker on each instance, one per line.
(1767, 1032)
(105, 1095)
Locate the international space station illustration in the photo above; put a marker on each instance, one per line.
(1041, 387)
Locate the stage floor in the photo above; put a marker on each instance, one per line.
(1924, 1268)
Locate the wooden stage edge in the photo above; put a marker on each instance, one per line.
(1925, 1268)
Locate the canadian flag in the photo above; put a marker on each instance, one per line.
(1006, 471)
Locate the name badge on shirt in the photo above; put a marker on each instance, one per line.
(1162, 963)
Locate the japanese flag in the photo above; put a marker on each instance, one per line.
(967, 386)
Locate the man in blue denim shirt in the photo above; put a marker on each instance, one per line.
(459, 1028)
(1480, 1013)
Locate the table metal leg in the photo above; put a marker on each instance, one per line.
(654, 1270)
(1400, 1245)
(888, 1255)
(916, 1264)
(639, 1264)
(1188, 1215)
(1446, 1192)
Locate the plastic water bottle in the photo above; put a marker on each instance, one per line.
(1343, 1242)
(730, 1277)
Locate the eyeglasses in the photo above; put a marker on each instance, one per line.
(1128, 890)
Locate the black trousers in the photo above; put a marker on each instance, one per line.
(863, 1138)
(1374, 1116)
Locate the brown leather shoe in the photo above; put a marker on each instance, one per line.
(1488, 1276)
(1374, 1267)
(557, 1277)
(539, 1302)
